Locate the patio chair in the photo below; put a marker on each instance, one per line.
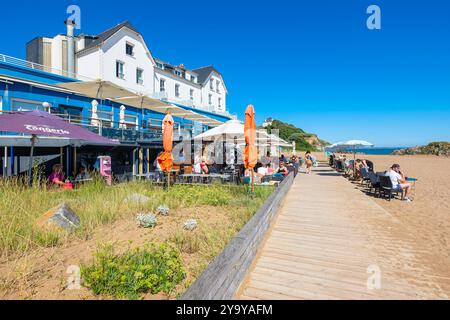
(374, 184)
(386, 188)
(365, 175)
(339, 166)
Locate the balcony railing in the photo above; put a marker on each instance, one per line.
(36, 66)
(162, 95)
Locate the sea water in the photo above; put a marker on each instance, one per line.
(377, 150)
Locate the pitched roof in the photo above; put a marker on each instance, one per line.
(105, 35)
(204, 72)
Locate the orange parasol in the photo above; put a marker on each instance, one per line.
(251, 153)
(165, 160)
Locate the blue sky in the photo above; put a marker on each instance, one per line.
(310, 63)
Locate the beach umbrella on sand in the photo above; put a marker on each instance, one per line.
(355, 144)
(250, 153)
(165, 160)
(334, 145)
(37, 123)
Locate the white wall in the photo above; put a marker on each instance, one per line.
(89, 64)
(100, 63)
(170, 81)
(206, 91)
(57, 51)
(114, 49)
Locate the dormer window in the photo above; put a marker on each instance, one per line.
(193, 78)
(129, 49)
(178, 73)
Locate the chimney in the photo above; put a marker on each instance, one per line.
(70, 47)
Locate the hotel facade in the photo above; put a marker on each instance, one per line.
(54, 69)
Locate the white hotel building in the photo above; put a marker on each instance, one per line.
(121, 55)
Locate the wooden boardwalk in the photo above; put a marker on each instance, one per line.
(331, 241)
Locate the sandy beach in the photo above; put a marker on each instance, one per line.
(426, 220)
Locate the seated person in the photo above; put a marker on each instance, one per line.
(398, 180)
(82, 174)
(56, 178)
(263, 170)
(368, 164)
(204, 167)
(283, 169)
(295, 162)
(267, 158)
(358, 165)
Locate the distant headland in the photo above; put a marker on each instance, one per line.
(433, 148)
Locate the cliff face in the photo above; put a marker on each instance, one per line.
(434, 148)
(304, 141)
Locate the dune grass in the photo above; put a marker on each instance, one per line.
(97, 204)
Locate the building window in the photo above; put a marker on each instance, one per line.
(119, 70)
(193, 78)
(211, 84)
(162, 85)
(129, 49)
(139, 74)
(210, 99)
(26, 105)
(217, 86)
(191, 94)
(160, 65)
(220, 103)
(177, 90)
(178, 73)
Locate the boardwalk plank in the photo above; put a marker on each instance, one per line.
(322, 242)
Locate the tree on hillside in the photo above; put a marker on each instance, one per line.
(291, 133)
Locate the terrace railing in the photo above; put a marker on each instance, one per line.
(112, 130)
(36, 66)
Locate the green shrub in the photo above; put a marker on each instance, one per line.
(152, 268)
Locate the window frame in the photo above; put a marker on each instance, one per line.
(140, 80)
(162, 88)
(120, 75)
(128, 45)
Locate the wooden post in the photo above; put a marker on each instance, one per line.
(141, 161)
(61, 156)
(30, 167)
(134, 163)
(5, 163)
(75, 161)
(168, 180)
(148, 162)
